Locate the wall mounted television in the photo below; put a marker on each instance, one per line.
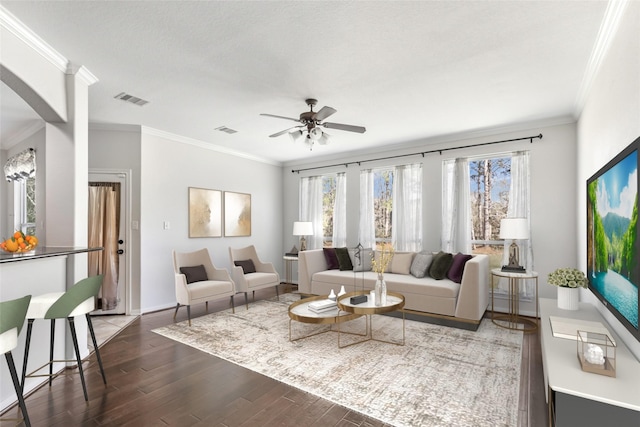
(613, 267)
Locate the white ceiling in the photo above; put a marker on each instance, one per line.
(407, 71)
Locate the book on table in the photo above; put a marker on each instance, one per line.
(322, 305)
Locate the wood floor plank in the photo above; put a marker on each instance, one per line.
(155, 381)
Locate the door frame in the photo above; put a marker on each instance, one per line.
(125, 198)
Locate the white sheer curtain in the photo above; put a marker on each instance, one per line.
(366, 232)
(456, 207)
(340, 212)
(311, 208)
(520, 207)
(407, 208)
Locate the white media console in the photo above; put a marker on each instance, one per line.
(579, 398)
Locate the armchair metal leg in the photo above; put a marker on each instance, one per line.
(246, 300)
(176, 312)
(277, 294)
(233, 306)
(254, 296)
(206, 306)
(189, 314)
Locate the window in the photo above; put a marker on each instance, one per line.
(490, 181)
(328, 203)
(26, 205)
(383, 205)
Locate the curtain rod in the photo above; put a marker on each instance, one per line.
(422, 153)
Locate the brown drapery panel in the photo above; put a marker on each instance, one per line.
(104, 228)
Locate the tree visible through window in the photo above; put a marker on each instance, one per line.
(383, 205)
(328, 202)
(490, 180)
(26, 209)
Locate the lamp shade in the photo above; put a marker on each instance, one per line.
(301, 228)
(514, 228)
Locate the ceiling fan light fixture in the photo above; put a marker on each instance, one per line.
(295, 135)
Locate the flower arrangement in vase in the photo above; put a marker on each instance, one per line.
(568, 280)
(379, 264)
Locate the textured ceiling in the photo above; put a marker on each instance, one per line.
(407, 71)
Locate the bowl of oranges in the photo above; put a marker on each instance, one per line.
(19, 243)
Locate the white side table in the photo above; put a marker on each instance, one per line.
(288, 268)
(512, 318)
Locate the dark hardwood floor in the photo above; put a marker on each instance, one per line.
(154, 381)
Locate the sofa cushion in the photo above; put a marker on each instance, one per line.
(247, 265)
(401, 263)
(331, 258)
(440, 265)
(420, 264)
(344, 262)
(457, 267)
(364, 262)
(196, 273)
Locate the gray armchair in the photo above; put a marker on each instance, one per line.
(198, 280)
(251, 274)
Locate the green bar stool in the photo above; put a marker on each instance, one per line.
(12, 315)
(76, 301)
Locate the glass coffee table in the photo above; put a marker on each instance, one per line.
(299, 311)
(395, 302)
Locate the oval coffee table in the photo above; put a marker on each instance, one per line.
(395, 301)
(299, 311)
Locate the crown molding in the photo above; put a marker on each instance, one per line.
(31, 128)
(12, 24)
(82, 73)
(608, 29)
(206, 145)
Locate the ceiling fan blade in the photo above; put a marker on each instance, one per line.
(282, 132)
(340, 126)
(279, 117)
(324, 113)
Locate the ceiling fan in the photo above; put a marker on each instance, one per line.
(311, 121)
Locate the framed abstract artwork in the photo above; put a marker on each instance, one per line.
(237, 214)
(205, 212)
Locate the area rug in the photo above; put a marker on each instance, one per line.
(441, 377)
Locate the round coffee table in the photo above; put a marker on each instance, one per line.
(299, 311)
(395, 302)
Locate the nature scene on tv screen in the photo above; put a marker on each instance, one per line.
(612, 251)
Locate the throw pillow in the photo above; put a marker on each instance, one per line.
(247, 266)
(363, 263)
(420, 265)
(457, 267)
(440, 265)
(194, 274)
(401, 263)
(344, 262)
(331, 258)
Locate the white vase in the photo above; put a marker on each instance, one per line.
(568, 298)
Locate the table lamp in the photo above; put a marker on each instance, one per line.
(302, 229)
(514, 229)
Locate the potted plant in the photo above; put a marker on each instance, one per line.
(568, 281)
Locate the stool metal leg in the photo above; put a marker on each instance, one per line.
(53, 334)
(26, 351)
(18, 388)
(72, 326)
(95, 345)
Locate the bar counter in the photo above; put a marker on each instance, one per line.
(43, 252)
(40, 271)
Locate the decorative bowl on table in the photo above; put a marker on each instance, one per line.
(19, 243)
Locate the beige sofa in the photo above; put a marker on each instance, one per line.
(462, 303)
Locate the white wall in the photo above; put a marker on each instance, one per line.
(609, 122)
(168, 168)
(553, 193)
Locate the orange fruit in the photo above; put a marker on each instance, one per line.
(11, 245)
(17, 234)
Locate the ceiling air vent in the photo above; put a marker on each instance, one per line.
(130, 98)
(226, 130)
